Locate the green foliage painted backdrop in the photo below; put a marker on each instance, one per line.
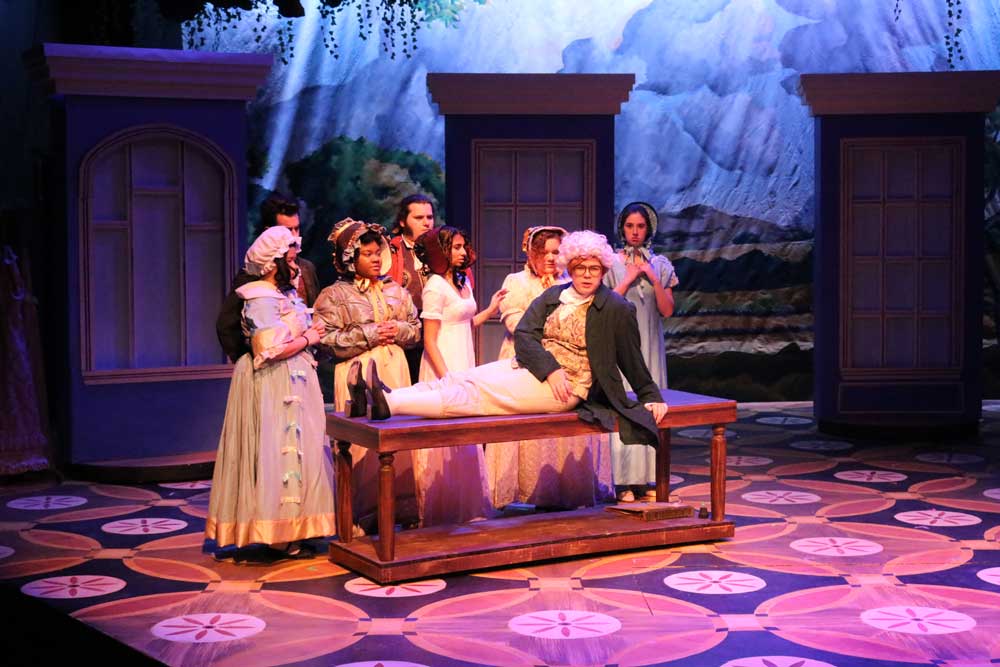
(352, 178)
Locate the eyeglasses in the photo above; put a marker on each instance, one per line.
(587, 269)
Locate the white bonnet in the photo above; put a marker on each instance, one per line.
(273, 243)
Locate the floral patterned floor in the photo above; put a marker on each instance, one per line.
(846, 554)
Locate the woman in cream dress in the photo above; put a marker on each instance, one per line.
(550, 472)
(366, 316)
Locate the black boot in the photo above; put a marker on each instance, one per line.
(377, 392)
(356, 391)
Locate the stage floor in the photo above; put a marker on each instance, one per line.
(846, 554)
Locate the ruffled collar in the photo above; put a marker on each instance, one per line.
(258, 289)
(574, 300)
(638, 255)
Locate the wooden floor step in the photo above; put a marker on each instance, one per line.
(176, 468)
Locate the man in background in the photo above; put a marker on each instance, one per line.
(276, 210)
(414, 217)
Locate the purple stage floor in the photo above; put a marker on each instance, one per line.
(846, 554)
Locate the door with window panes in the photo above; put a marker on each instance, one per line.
(519, 184)
(158, 241)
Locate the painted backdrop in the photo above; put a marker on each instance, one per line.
(715, 135)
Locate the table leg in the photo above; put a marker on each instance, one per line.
(345, 511)
(386, 507)
(718, 472)
(663, 466)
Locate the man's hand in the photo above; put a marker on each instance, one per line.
(659, 410)
(562, 390)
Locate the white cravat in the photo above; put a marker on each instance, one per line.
(570, 297)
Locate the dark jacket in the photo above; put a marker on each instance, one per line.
(612, 344)
(309, 280)
(229, 325)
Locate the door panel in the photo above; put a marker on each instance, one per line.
(519, 184)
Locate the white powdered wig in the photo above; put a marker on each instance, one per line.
(578, 245)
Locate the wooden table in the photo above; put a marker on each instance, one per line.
(443, 549)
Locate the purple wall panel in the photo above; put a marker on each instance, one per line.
(149, 419)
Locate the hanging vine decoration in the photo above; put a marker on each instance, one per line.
(284, 34)
(399, 19)
(328, 14)
(951, 42)
(219, 18)
(954, 30)
(396, 22)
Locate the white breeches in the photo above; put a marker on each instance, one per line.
(491, 389)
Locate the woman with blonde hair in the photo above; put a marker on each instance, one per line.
(549, 472)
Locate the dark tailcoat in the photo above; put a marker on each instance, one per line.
(612, 344)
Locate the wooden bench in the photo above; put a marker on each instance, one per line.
(499, 542)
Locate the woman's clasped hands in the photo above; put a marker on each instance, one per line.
(387, 332)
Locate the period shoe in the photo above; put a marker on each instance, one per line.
(225, 554)
(376, 394)
(356, 391)
(259, 554)
(300, 550)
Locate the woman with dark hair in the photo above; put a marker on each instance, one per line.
(365, 314)
(367, 318)
(550, 472)
(273, 481)
(647, 281)
(449, 312)
(451, 482)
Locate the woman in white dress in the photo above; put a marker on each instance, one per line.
(647, 281)
(273, 481)
(550, 472)
(450, 482)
